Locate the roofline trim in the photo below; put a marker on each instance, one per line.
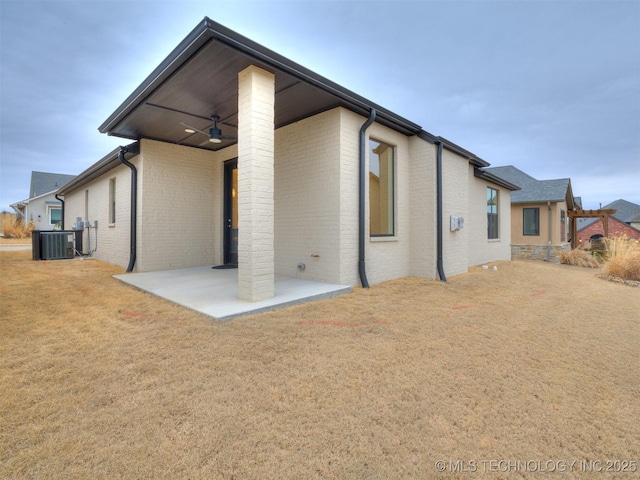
(490, 177)
(102, 166)
(208, 30)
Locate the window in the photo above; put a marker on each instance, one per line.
(55, 216)
(86, 205)
(563, 226)
(112, 201)
(492, 213)
(531, 221)
(381, 194)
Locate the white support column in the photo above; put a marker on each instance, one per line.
(256, 99)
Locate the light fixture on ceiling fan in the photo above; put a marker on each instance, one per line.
(215, 134)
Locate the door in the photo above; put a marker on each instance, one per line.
(230, 226)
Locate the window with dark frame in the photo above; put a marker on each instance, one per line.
(563, 226)
(531, 221)
(112, 201)
(55, 216)
(381, 191)
(492, 213)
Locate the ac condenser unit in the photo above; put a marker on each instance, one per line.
(56, 245)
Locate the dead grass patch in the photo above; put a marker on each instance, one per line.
(579, 258)
(531, 362)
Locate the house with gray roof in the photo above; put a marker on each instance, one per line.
(539, 222)
(42, 207)
(238, 157)
(625, 222)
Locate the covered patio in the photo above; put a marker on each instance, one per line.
(215, 292)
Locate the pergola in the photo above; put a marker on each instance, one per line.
(602, 214)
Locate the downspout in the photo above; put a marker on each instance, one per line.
(549, 242)
(363, 176)
(440, 262)
(134, 196)
(61, 201)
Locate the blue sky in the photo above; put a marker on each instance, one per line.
(552, 87)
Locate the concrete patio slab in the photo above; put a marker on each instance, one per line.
(215, 292)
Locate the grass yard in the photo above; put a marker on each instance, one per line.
(532, 364)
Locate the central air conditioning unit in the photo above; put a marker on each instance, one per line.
(56, 245)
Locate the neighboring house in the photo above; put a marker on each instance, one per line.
(42, 207)
(539, 220)
(626, 221)
(299, 177)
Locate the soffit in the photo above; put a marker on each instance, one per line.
(206, 84)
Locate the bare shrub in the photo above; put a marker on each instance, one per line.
(623, 258)
(16, 228)
(580, 258)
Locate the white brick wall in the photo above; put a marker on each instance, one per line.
(112, 241)
(481, 249)
(307, 198)
(176, 207)
(256, 258)
(422, 185)
(180, 206)
(386, 257)
(455, 200)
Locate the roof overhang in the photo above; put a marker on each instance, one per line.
(102, 166)
(490, 177)
(200, 79)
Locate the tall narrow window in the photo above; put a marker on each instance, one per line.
(86, 205)
(492, 213)
(531, 221)
(381, 194)
(563, 226)
(112, 201)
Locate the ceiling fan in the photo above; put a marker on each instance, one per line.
(214, 133)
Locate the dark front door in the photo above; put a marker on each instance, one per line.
(230, 225)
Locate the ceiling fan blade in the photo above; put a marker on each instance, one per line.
(194, 128)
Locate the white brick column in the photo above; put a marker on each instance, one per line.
(256, 98)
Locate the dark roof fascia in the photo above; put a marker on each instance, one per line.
(490, 177)
(102, 166)
(457, 149)
(427, 137)
(208, 30)
(197, 38)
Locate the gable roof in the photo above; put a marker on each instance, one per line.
(533, 190)
(199, 79)
(627, 212)
(45, 182)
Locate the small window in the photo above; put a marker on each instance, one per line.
(531, 221)
(563, 226)
(381, 194)
(492, 213)
(55, 216)
(112, 201)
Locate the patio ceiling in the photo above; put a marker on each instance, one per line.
(200, 79)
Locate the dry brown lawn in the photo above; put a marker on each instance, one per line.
(530, 363)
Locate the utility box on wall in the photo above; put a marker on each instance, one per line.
(457, 223)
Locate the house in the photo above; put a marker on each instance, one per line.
(539, 219)
(42, 207)
(240, 156)
(626, 221)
